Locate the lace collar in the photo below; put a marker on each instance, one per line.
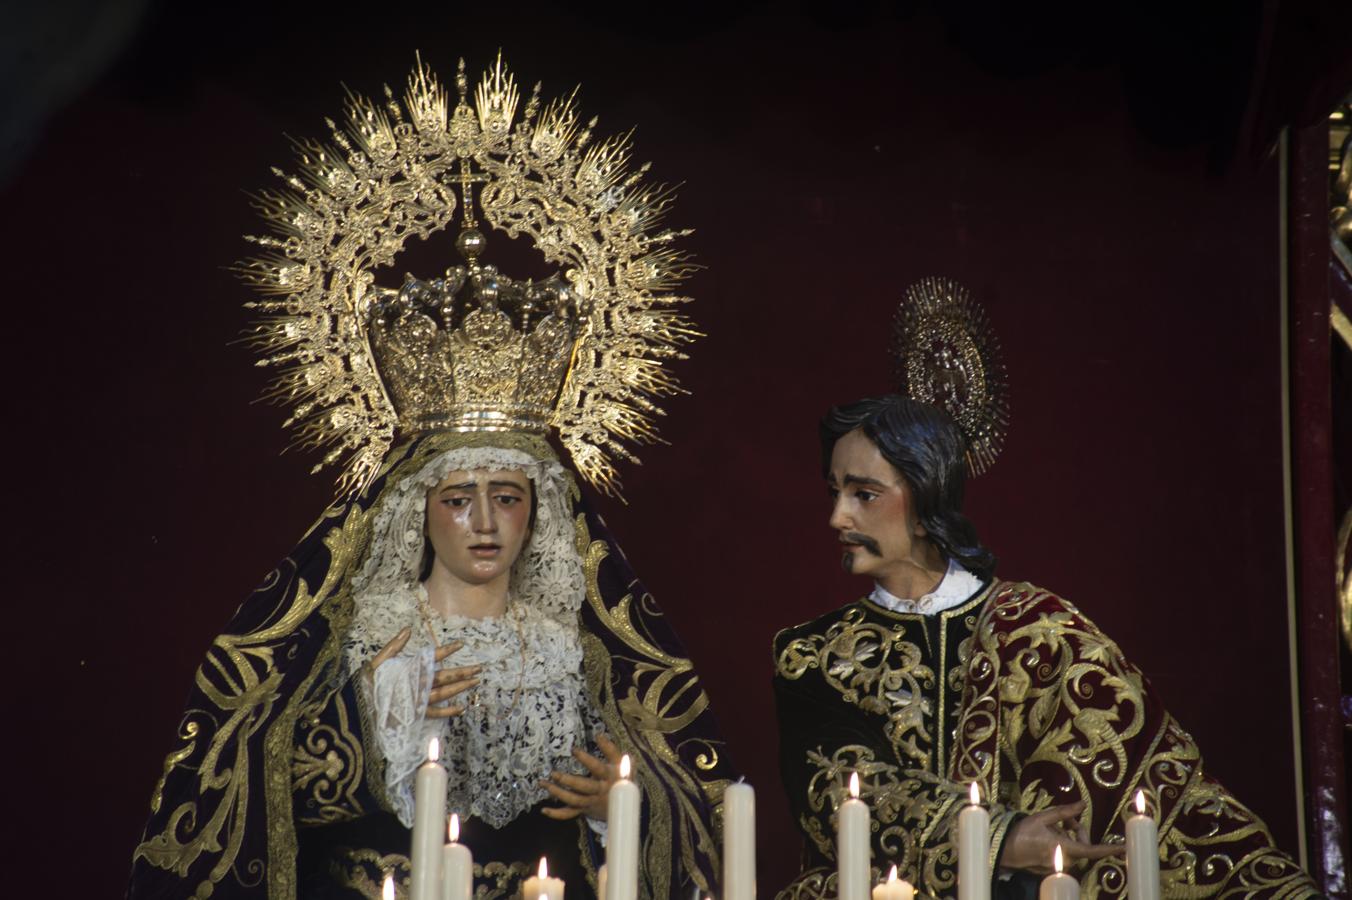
(957, 586)
(520, 724)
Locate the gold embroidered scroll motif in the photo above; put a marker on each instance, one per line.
(1055, 714)
(364, 872)
(664, 697)
(1051, 713)
(241, 679)
(865, 669)
(327, 765)
(876, 668)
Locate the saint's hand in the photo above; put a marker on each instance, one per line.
(446, 684)
(1032, 841)
(585, 795)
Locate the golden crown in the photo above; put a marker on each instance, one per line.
(583, 352)
(475, 350)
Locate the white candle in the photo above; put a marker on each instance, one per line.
(457, 866)
(387, 889)
(429, 817)
(894, 888)
(1143, 854)
(601, 882)
(541, 886)
(1058, 885)
(739, 842)
(974, 850)
(622, 817)
(852, 845)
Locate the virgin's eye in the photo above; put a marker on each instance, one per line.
(456, 502)
(866, 496)
(508, 499)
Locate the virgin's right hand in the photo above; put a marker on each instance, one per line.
(446, 684)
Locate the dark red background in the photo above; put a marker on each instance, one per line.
(1099, 187)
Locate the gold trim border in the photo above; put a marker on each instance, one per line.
(1288, 501)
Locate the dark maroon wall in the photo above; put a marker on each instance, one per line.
(1130, 268)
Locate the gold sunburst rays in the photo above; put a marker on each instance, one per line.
(393, 170)
(556, 129)
(495, 101)
(426, 100)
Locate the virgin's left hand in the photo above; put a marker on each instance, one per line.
(585, 795)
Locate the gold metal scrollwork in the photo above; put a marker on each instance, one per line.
(388, 174)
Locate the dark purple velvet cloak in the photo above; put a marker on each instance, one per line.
(270, 752)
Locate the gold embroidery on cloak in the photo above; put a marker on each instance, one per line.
(875, 668)
(328, 763)
(365, 871)
(1062, 669)
(648, 712)
(240, 678)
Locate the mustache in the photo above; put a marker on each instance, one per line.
(863, 540)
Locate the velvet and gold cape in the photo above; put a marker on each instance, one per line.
(271, 742)
(1020, 692)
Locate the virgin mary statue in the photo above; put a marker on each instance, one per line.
(463, 589)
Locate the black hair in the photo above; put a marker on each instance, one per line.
(429, 556)
(925, 445)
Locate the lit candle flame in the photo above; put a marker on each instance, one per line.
(387, 891)
(854, 784)
(544, 869)
(1140, 802)
(433, 749)
(976, 795)
(453, 830)
(1056, 859)
(624, 766)
(892, 876)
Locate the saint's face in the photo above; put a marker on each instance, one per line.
(872, 510)
(478, 521)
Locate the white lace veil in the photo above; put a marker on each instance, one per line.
(502, 750)
(547, 577)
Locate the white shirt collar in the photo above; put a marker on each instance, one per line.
(957, 586)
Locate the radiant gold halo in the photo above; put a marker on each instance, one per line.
(945, 353)
(402, 169)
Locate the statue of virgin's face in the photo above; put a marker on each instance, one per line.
(478, 521)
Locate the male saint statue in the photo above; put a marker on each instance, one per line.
(945, 675)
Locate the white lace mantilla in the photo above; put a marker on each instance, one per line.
(531, 708)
